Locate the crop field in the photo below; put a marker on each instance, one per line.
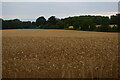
(39, 53)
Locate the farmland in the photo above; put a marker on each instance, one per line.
(39, 53)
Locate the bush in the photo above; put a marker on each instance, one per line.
(114, 29)
(104, 28)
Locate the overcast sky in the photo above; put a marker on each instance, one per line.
(60, 0)
(32, 10)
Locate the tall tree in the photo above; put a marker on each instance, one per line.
(52, 20)
(40, 21)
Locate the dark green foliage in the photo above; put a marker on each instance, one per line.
(17, 24)
(51, 23)
(114, 29)
(113, 19)
(60, 24)
(26, 25)
(85, 23)
(12, 24)
(104, 28)
(118, 19)
(1, 20)
(40, 21)
(52, 20)
(105, 21)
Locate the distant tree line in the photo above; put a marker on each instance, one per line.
(85, 23)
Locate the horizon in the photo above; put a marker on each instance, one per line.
(33, 20)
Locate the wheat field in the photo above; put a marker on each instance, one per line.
(39, 53)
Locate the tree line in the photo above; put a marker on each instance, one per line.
(85, 23)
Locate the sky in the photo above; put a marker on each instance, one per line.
(32, 10)
(59, 0)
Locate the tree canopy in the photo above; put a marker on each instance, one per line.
(40, 21)
(86, 23)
